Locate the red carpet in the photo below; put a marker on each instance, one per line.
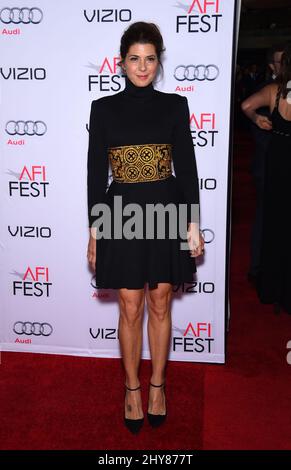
(61, 402)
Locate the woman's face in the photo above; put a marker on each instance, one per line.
(141, 64)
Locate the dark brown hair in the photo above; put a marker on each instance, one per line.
(272, 51)
(285, 73)
(142, 33)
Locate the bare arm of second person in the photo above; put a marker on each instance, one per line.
(255, 101)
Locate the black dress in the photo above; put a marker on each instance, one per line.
(138, 116)
(274, 280)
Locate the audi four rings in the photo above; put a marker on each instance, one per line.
(26, 128)
(21, 15)
(35, 328)
(196, 72)
(208, 235)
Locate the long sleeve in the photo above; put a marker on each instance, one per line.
(97, 163)
(184, 160)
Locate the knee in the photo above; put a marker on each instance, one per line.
(159, 308)
(131, 312)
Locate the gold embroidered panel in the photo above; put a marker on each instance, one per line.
(140, 163)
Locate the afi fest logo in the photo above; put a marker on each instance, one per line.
(107, 77)
(36, 186)
(196, 338)
(205, 129)
(203, 16)
(34, 282)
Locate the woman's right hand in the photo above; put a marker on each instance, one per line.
(91, 252)
(263, 122)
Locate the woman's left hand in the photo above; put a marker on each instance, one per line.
(195, 240)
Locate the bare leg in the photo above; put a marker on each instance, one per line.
(159, 332)
(131, 304)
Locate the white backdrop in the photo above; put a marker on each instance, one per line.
(56, 57)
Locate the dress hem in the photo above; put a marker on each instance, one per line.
(152, 284)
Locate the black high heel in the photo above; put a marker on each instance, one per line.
(133, 425)
(156, 420)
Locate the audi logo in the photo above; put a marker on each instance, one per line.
(208, 235)
(196, 72)
(21, 15)
(26, 128)
(35, 328)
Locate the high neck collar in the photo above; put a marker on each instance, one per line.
(138, 91)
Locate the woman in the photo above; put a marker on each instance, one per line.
(140, 130)
(274, 279)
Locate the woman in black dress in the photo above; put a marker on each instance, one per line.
(141, 131)
(274, 278)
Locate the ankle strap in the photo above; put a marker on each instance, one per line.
(157, 386)
(132, 389)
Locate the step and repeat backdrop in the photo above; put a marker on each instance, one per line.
(56, 57)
